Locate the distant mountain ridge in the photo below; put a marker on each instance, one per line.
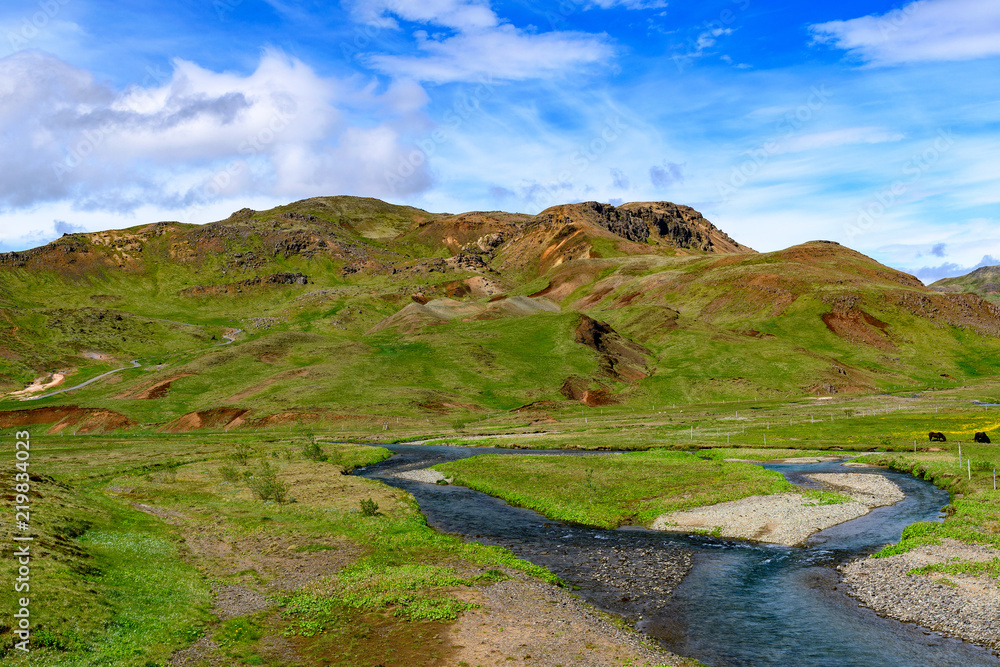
(984, 280)
(360, 231)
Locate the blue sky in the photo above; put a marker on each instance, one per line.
(871, 123)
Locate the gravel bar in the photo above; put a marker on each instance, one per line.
(786, 518)
(958, 605)
(426, 475)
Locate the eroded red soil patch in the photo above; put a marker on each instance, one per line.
(86, 420)
(224, 417)
(158, 389)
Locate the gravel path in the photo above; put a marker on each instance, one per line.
(959, 605)
(786, 518)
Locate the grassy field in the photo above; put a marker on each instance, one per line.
(133, 535)
(610, 491)
(127, 586)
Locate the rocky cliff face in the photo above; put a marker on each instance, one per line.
(661, 223)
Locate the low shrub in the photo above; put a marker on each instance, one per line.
(241, 455)
(369, 507)
(265, 485)
(312, 451)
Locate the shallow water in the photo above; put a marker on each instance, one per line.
(741, 604)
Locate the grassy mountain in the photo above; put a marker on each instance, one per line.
(984, 281)
(343, 308)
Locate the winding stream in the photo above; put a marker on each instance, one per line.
(741, 603)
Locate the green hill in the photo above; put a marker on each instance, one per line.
(984, 281)
(342, 308)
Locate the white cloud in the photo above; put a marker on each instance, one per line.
(960, 247)
(461, 14)
(481, 45)
(833, 138)
(921, 31)
(193, 135)
(708, 38)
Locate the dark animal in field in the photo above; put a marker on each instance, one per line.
(936, 436)
(982, 437)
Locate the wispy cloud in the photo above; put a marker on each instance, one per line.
(504, 52)
(457, 14)
(834, 138)
(921, 31)
(481, 44)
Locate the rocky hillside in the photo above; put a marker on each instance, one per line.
(340, 307)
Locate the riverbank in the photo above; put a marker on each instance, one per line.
(534, 623)
(939, 595)
(787, 518)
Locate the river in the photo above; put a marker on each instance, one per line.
(741, 603)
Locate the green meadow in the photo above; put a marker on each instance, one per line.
(613, 490)
(133, 535)
(127, 586)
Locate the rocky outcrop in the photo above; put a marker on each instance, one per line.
(621, 222)
(964, 311)
(663, 223)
